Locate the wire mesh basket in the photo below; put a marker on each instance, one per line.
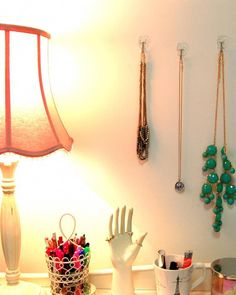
(68, 265)
(69, 276)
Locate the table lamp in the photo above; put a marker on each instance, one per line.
(29, 126)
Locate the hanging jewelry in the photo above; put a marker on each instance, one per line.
(143, 129)
(179, 186)
(217, 189)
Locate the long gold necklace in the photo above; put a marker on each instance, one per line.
(179, 186)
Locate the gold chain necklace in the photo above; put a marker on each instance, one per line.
(179, 186)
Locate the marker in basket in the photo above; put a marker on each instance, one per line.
(60, 249)
(60, 241)
(54, 240)
(161, 260)
(187, 258)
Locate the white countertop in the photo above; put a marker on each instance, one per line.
(144, 281)
(137, 292)
(145, 292)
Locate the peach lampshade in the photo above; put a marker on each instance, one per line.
(29, 121)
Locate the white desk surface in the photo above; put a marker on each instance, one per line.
(138, 292)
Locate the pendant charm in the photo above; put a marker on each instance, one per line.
(143, 142)
(179, 186)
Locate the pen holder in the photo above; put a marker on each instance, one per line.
(69, 276)
(68, 263)
(177, 281)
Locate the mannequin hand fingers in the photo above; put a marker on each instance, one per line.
(110, 226)
(116, 230)
(129, 222)
(122, 220)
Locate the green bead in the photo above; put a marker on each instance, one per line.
(218, 202)
(222, 150)
(216, 210)
(202, 195)
(230, 189)
(206, 188)
(224, 157)
(204, 168)
(230, 201)
(218, 216)
(225, 196)
(207, 200)
(215, 224)
(219, 187)
(227, 165)
(232, 170)
(234, 196)
(220, 209)
(205, 154)
(211, 163)
(225, 178)
(213, 177)
(216, 227)
(211, 150)
(219, 222)
(212, 197)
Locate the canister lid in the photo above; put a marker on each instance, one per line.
(225, 268)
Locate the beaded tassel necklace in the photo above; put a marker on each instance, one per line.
(217, 189)
(143, 129)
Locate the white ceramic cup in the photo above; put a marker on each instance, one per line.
(177, 282)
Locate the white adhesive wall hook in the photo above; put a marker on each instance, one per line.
(144, 41)
(222, 42)
(182, 48)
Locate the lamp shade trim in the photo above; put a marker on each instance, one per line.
(30, 153)
(23, 29)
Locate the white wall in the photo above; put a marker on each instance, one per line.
(95, 73)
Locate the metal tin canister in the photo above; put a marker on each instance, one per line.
(223, 276)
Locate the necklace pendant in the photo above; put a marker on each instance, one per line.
(143, 142)
(179, 186)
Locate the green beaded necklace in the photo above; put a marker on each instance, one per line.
(217, 188)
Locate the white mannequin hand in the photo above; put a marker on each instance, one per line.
(123, 252)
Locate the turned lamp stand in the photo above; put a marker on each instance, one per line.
(11, 235)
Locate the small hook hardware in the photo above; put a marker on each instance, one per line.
(182, 49)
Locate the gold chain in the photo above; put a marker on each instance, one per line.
(180, 123)
(220, 78)
(142, 88)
